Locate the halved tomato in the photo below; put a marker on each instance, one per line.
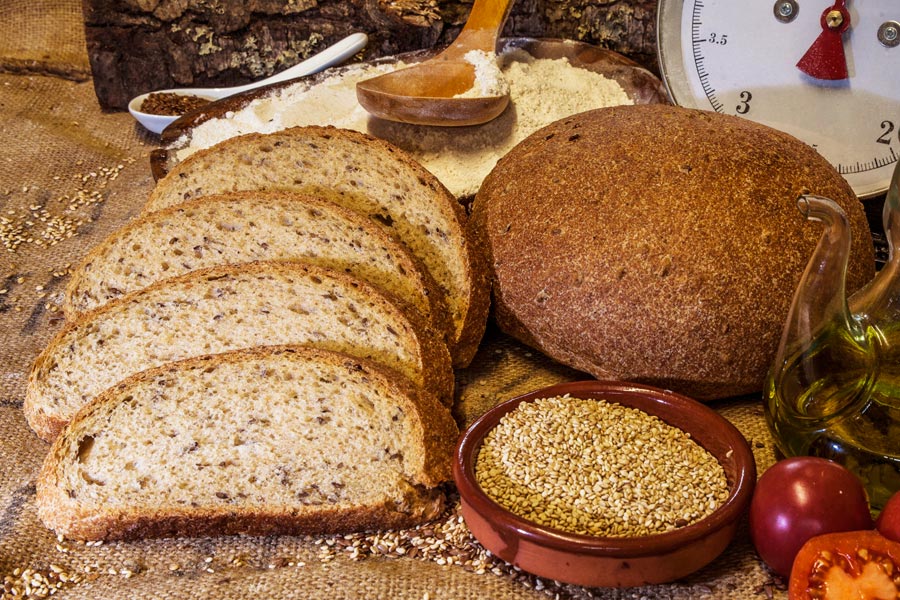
(857, 565)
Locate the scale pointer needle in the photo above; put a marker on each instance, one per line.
(825, 59)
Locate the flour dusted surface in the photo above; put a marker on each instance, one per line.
(541, 91)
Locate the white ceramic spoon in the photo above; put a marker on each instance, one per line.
(332, 55)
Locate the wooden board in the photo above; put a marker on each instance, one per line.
(138, 46)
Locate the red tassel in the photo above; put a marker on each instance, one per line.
(825, 58)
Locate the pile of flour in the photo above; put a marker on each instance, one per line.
(489, 79)
(541, 91)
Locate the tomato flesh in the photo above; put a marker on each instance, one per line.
(853, 565)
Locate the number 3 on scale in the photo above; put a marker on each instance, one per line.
(744, 107)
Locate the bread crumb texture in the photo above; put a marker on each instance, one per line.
(657, 244)
(225, 308)
(254, 440)
(241, 227)
(363, 174)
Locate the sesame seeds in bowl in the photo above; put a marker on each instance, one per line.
(604, 483)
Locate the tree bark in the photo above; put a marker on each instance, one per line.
(135, 46)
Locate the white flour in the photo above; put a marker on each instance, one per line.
(489, 79)
(541, 91)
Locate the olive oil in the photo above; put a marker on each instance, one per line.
(846, 408)
(834, 390)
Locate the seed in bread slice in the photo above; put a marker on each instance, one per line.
(249, 226)
(364, 174)
(226, 308)
(259, 441)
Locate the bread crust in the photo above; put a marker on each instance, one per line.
(436, 369)
(475, 295)
(423, 501)
(657, 244)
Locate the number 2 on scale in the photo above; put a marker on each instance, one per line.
(744, 107)
(887, 128)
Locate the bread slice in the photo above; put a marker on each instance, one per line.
(361, 173)
(226, 308)
(249, 226)
(260, 441)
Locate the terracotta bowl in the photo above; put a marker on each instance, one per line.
(610, 561)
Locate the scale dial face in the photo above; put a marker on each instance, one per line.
(741, 58)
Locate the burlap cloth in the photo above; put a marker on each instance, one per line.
(68, 169)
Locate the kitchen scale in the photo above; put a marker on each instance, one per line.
(825, 71)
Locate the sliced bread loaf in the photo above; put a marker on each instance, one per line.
(249, 226)
(361, 173)
(225, 308)
(260, 441)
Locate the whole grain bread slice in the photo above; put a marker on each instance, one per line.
(364, 174)
(225, 308)
(259, 441)
(249, 226)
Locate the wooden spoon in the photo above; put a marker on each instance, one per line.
(423, 94)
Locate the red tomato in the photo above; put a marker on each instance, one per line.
(862, 565)
(799, 498)
(888, 522)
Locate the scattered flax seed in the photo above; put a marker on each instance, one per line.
(598, 468)
(171, 104)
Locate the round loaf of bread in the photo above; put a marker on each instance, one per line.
(657, 244)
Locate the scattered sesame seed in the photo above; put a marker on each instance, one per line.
(444, 541)
(44, 228)
(30, 583)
